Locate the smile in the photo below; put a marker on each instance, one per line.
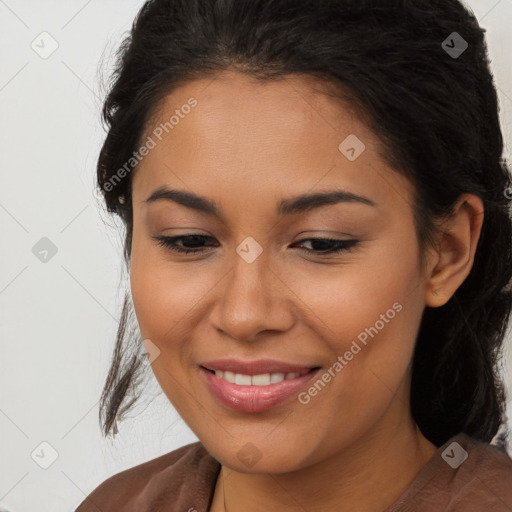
(255, 392)
(263, 379)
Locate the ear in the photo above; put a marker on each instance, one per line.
(453, 258)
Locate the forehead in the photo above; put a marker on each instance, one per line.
(299, 104)
(242, 133)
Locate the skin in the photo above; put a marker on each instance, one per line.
(246, 146)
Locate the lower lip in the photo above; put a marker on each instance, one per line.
(255, 398)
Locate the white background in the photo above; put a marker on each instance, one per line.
(58, 319)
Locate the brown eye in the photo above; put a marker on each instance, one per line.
(192, 239)
(329, 245)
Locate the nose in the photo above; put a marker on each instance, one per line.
(252, 298)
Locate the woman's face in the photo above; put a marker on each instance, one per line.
(260, 290)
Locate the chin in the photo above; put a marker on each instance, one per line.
(258, 457)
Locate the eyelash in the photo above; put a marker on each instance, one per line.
(341, 245)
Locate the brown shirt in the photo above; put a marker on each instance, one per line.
(469, 476)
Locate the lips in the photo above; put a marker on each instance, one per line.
(244, 394)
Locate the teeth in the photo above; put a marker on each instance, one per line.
(256, 380)
(242, 380)
(276, 377)
(261, 380)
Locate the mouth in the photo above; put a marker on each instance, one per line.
(253, 389)
(261, 379)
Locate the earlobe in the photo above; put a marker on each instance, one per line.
(455, 252)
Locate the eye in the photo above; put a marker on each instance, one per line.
(327, 245)
(170, 242)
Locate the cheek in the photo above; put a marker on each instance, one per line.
(346, 300)
(163, 291)
(162, 297)
(368, 312)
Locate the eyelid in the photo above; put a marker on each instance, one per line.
(341, 245)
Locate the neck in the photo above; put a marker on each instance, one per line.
(369, 475)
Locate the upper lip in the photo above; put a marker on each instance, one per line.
(257, 367)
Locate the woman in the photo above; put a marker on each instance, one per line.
(319, 244)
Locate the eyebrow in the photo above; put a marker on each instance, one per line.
(297, 204)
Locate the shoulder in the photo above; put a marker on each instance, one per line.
(465, 474)
(485, 476)
(176, 477)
